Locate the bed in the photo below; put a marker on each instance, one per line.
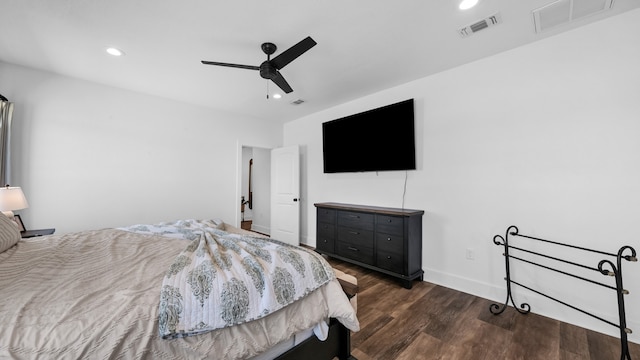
(102, 294)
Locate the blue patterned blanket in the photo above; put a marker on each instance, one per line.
(222, 279)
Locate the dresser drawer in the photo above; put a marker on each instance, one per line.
(326, 234)
(355, 219)
(327, 215)
(325, 243)
(354, 252)
(354, 236)
(390, 243)
(390, 261)
(325, 229)
(390, 224)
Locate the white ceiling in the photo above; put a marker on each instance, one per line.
(363, 46)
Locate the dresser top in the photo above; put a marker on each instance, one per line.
(373, 209)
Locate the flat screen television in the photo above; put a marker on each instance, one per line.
(381, 139)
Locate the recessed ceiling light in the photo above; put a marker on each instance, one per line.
(277, 96)
(467, 4)
(115, 52)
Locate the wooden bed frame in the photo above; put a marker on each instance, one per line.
(338, 344)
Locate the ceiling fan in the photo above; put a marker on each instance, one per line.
(269, 68)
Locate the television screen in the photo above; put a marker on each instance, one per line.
(381, 139)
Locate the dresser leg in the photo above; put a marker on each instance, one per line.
(407, 284)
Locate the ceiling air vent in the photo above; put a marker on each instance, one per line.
(297, 102)
(564, 11)
(480, 25)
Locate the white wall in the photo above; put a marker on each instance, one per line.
(89, 156)
(544, 137)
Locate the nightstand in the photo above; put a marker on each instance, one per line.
(34, 233)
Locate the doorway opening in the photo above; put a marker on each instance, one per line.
(255, 190)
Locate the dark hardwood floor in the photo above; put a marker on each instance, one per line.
(434, 322)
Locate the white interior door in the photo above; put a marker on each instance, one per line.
(285, 194)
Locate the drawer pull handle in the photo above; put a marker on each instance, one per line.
(354, 216)
(325, 241)
(354, 232)
(389, 220)
(352, 248)
(388, 239)
(389, 257)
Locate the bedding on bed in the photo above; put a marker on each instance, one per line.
(96, 294)
(224, 279)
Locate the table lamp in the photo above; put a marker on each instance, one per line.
(12, 198)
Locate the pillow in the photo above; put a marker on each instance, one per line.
(9, 233)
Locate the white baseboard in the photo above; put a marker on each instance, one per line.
(261, 229)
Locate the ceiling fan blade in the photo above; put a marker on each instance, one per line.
(281, 82)
(250, 67)
(293, 52)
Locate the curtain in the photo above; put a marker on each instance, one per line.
(6, 111)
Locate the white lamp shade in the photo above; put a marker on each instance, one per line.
(12, 198)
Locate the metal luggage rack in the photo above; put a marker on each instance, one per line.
(605, 267)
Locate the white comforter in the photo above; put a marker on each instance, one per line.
(95, 294)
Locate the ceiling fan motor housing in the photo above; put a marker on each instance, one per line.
(267, 70)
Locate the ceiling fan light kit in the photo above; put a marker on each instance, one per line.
(467, 4)
(269, 69)
(114, 51)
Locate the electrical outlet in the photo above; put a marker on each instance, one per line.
(470, 254)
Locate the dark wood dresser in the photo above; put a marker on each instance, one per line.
(387, 240)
